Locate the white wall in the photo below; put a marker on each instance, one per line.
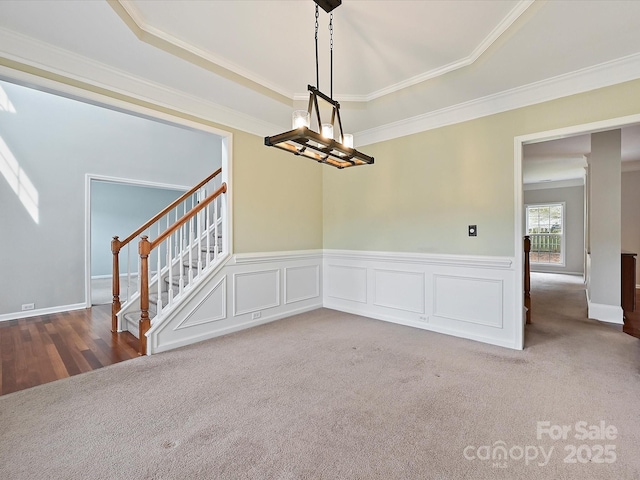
(631, 215)
(573, 198)
(54, 142)
(605, 227)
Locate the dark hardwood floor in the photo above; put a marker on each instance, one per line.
(632, 319)
(50, 347)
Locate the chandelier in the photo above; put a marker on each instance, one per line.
(321, 145)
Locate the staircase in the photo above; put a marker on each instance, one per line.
(178, 249)
(170, 284)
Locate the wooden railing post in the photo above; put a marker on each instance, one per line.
(115, 285)
(144, 248)
(527, 277)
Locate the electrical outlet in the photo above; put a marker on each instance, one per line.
(473, 230)
(255, 315)
(28, 306)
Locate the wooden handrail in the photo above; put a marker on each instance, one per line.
(192, 213)
(117, 244)
(145, 247)
(527, 277)
(173, 205)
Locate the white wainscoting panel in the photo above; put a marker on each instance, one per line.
(473, 300)
(467, 296)
(211, 308)
(258, 287)
(346, 282)
(256, 291)
(301, 283)
(399, 290)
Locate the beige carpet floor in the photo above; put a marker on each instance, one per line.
(327, 395)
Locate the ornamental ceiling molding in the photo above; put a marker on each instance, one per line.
(146, 32)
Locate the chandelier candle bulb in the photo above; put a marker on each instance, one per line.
(300, 118)
(347, 140)
(327, 130)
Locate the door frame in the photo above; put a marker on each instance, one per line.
(145, 109)
(518, 143)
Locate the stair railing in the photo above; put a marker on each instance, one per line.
(527, 277)
(195, 235)
(152, 229)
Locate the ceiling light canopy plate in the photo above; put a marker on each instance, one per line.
(328, 5)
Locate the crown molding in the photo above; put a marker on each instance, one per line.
(603, 75)
(40, 55)
(489, 40)
(34, 53)
(573, 182)
(148, 33)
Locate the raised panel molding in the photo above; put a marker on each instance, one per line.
(211, 308)
(255, 291)
(470, 296)
(347, 283)
(468, 299)
(399, 290)
(301, 283)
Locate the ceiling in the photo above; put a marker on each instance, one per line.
(400, 66)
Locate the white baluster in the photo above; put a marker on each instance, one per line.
(199, 237)
(215, 228)
(190, 270)
(128, 271)
(207, 221)
(170, 262)
(180, 262)
(159, 277)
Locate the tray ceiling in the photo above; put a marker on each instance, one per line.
(400, 66)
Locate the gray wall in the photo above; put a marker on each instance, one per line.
(631, 215)
(118, 209)
(574, 225)
(605, 218)
(55, 142)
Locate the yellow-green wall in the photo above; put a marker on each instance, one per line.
(420, 195)
(277, 198)
(425, 189)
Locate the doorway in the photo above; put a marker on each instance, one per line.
(118, 207)
(539, 138)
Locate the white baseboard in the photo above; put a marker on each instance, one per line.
(605, 313)
(122, 275)
(41, 311)
(234, 328)
(560, 272)
(472, 297)
(249, 290)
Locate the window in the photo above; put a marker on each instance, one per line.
(545, 227)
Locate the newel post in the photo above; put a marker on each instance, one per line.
(144, 248)
(115, 285)
(527, 277)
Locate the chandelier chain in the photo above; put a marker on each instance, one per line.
(331, 49)
(317, 72)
